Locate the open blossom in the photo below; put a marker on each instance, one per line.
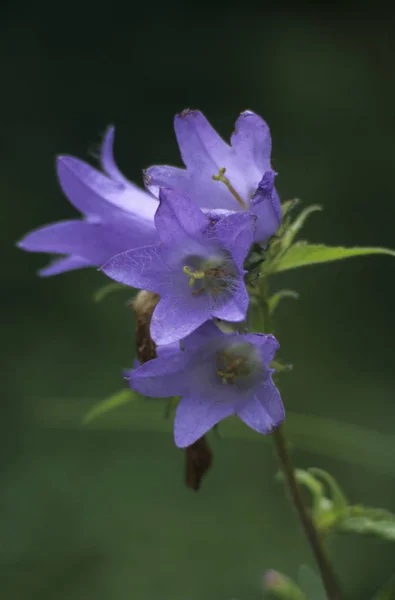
(219, 176)
(197, 268)
(117, 215)
(216, 375)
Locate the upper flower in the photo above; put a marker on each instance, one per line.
(197, 269)
(217, 375)
(118, 215)
(218, 176)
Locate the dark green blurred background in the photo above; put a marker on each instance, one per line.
(102, 512)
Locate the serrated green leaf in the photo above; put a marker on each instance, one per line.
(276, 298)
(368, 521)
(303, 254)
(104, 406)
(293, 229)
(310, 583)
(337, 497)
(104, 291)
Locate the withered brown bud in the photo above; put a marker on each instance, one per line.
(198, 460)
(144, 305)
(198, 456)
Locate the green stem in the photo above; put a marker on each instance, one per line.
(313, 537)
(325, 567)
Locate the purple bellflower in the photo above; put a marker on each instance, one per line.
(218, 176)
(117, 215)
(216, 375)
(197, 269)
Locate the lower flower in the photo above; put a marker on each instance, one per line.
(216, 375)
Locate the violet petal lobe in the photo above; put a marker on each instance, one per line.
(178, 215)
(195, 415)
(264, 411)
(142, 268)
(107, 157)
(252, 142)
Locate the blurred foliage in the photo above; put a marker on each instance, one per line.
(101, 511)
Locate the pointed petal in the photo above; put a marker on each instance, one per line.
(168, 177)
(195, 415)
(177, 215)
(267, 345)
(61, 265)
(202, 335)
(236, 234)
(268, 212)
(202, 149)
(162, 376)
(174, 318)
(252, 142)
(69, 237)
(235, 309)
(94, 194)
(107, 157)
(142, 268)
(264, 411)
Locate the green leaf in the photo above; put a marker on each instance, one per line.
(337, 497)
(310, 583)
(104, 291)
(368, 521)
(104, 406)
(275, 299)
(296, 226)
(303, 254)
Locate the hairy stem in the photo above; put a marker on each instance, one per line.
(313, 537)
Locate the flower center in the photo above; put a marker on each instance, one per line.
(213, 275)
(238, 364)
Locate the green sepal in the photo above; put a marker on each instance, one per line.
(108, 289)
(278, 296)
(112, 402)
(293, 229)
(303, 254)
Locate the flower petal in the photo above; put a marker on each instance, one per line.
(162, 376)
(268, 212)
(79, 238)
(176, 317)
(236, 234)
(141, 268)
(168, 177)
(176, 216)
(195, 415)
(107, 157)
(265, 410)
(266, 343)
(202, 149)
(235, 309)
(252, 143)
(61, 265)
(94, 194)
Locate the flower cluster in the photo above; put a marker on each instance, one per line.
(188, 238)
